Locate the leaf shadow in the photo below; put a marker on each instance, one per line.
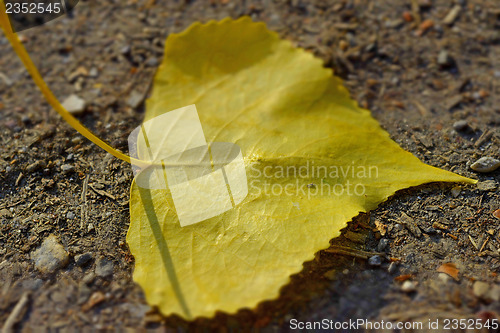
(149, 208)
(310, 292)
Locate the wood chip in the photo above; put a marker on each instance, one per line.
(452, 15)
(382, 228)
(410, 224)
(449, 269)
(453, 101)
(102, 192)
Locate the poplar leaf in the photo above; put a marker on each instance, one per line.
(313, 159)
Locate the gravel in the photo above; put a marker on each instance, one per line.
(74, 104)
(104, 267)
(51, 256)
(485, 164)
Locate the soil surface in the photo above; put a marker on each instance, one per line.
(415, 66)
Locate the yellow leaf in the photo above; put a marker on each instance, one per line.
(299, 131)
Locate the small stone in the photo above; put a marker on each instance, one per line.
(375, 260)
(67, 168)
(460, 125)
(104, 267)
(487, 185)
(444, 60)
(408, 286)
(382, 244)
(152, 62)
(392, 268)
(455, 191)
(125, 50)
(481, 289)
(495, 293)
(74, 104)
(444, 278)
(135, 99)
(51, 256)
(331, 274)
(90, 227)
(70, 215)
(89, 278)
(83, 259)
(485, 164)
(94, 72)
(5, 213)
(26, 120)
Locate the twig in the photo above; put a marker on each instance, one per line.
(102, 192)
(346, 251)
(484, 244)
(19, 179)
(11, 205)
(13, 317)
(83, 198)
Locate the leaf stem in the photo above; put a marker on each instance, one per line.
(50, 97)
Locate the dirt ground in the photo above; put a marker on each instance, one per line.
(419, 72)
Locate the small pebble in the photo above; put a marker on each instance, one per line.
(455, 191)
(485, 164)
(89, 278)
(398, 227)
(74, 104)
(481, 289)
(408, 286)
(382, 244)
(375, 260)
(51, 256)
(444, 278)
(444, 60)
(125, 50)
(5, 213)
(460, 125)
(104, 267)
(94, 72)
(83, 259)
(487, 185)
(66, 168)
(70, 215)
(152, 62)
